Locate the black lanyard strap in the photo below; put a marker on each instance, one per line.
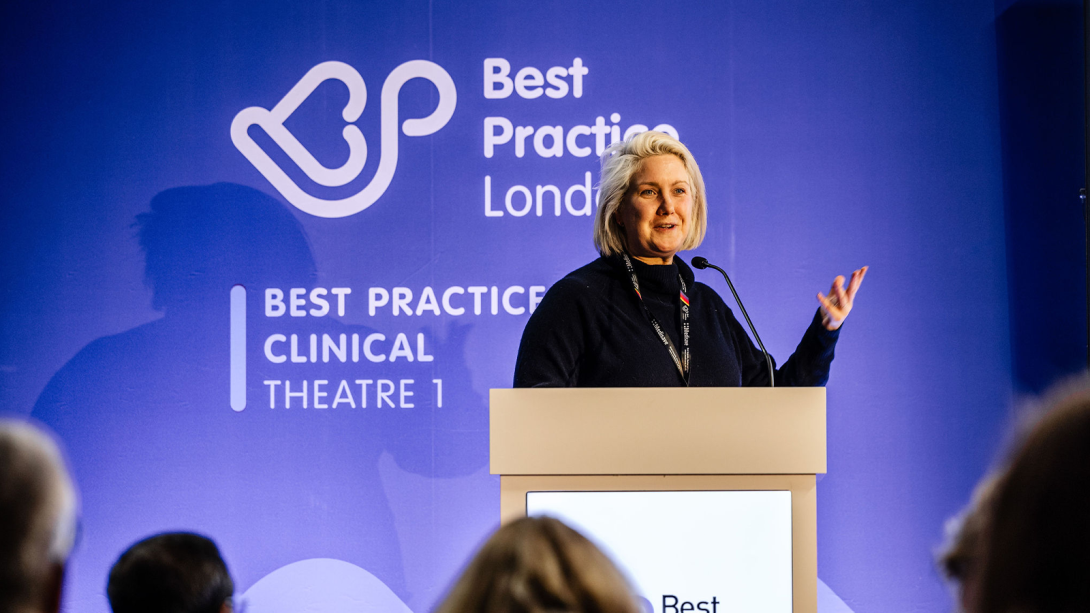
(682, 361)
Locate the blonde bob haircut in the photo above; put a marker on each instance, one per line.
(539, 565)
(620, 163)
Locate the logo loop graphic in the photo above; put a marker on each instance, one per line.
(272, 121)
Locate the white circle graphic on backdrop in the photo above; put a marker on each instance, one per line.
(320, 585)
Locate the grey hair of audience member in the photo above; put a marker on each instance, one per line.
(1035, 553)
(38, 510)
(174, 572)
(539, 565)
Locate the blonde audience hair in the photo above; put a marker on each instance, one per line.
(538, 565)
(620, 164)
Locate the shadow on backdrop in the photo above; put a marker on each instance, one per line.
(1040, 52)
(155, 445)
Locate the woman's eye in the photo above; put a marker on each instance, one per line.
(648, 192)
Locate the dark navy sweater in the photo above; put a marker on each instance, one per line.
(590, 331)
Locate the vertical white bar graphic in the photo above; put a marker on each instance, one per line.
(238, 348)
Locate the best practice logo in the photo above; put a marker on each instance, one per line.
(272, 122)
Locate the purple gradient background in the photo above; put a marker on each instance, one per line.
(830, 136)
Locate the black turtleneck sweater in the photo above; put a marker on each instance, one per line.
(590, 331)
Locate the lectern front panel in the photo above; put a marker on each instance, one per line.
(689, 551)
(803, 501)
(672, 440)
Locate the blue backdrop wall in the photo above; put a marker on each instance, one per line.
(152, 162)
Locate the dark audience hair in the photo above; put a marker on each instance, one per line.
(176, 572)
(1035, 555)
(38, 509)
(538, 564)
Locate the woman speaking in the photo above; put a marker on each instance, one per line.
(635, 317)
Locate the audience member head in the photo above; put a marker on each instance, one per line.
(1035, 556)
(538, 564)
(959, 559)
(177, 572)
(37, 519)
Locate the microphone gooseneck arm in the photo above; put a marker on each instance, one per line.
(701, 263)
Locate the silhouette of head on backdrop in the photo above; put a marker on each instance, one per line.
(146, 417)
(200, 240)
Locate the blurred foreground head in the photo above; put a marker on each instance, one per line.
(1036, 546)
(37, 519)
(538, 564)
(959, 560)
(177, 572)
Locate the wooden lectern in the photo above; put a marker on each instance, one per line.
(666, 439)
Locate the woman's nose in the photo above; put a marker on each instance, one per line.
(666, 205)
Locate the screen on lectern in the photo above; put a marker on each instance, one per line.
(688, 552)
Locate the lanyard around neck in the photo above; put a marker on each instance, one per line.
(682, 361)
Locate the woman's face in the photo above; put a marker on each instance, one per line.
(655, 212)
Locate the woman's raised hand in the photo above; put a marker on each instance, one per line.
(836, 306)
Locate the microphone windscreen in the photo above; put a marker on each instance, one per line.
(699, 262)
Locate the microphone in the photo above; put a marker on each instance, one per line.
(702, 263)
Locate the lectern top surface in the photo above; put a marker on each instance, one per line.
(657, 431)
